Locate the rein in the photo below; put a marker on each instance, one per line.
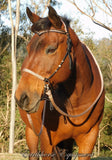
(47, 90)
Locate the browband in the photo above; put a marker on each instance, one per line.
(53, 30)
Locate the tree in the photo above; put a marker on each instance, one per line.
(104, 49)
(3, 5)
(14, 77)
(94, 6)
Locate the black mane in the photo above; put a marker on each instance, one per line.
(45, 24)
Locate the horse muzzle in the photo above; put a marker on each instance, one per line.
(30, 105)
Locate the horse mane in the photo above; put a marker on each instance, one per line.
(45, 24)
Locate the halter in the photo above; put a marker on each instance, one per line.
(47, 90)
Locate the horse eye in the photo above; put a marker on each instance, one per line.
(51, 49)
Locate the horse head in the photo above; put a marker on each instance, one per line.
(50, 58)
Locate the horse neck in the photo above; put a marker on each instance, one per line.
(82, 74)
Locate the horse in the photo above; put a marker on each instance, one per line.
(61, 92)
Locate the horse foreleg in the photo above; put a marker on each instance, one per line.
(46, 149)
(86, 143)
(32, 142)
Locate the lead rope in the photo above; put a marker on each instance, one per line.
(66, 114)
(43, 118)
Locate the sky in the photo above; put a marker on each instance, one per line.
(86, 23)
(69, 10)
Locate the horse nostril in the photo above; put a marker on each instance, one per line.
(24, 100)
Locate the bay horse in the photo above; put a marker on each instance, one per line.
(61, 93)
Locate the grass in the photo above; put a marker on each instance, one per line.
(102, 158)
(7, 156)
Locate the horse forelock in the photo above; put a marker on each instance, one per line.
(31, 45)
(42, 24)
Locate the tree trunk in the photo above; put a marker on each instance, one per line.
(14, 77)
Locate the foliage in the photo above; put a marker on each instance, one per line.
(105, 50)
(106, 129)
(5, 86)
(77, 28)
(102, 50)
(5, 97)
(102, 158)
(3, 4)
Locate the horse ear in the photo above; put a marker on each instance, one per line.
(54, 18)
(33, 17)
